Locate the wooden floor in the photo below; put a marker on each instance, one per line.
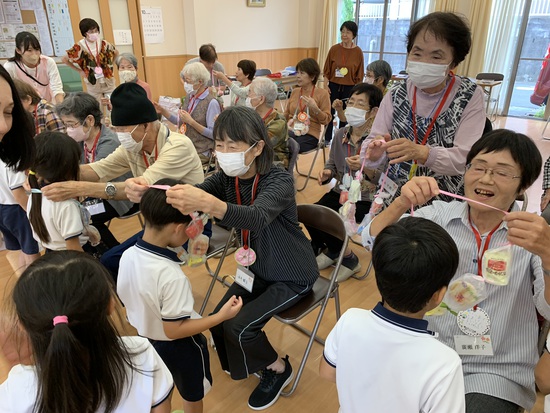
(313, 394)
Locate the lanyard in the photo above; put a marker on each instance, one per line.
(245, 232)
(436, 114)
(156, 156)
(89, 155)
(267, 114)
(97, 60)
(481, 251)
(194, 101)
(300, 100)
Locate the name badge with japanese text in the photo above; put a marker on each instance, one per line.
(245, 278)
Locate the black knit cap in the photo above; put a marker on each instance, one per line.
(131, 106)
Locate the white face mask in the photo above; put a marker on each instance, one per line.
(31, 60)
(78, 133)
(248, 104)
(426, 75)
(188, 87)
(92, 37)
(355, 116)
(128, 143)
(369, 80)
(233, 163)
(127, 75)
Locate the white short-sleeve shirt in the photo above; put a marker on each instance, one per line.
(63, 221)
(386, 362)
(154, 289)
(148, 387)
(9, 180)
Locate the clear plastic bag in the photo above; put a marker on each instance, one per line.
(496, 265)
(465, 292)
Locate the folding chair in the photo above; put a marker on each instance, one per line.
(220, 242)
(491, 79)
(329, 221)
(545, 126)
(320, 147)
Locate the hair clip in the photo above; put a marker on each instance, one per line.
(35, 191)
(32, 172)
(162, 187)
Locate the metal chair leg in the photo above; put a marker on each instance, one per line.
(366, 274)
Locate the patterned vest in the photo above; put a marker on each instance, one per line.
(202, 143)
(442, 134)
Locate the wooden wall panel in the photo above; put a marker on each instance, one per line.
(162, 72)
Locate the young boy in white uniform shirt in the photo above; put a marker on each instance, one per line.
(385, 359)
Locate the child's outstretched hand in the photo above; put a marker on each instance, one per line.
(231, 308)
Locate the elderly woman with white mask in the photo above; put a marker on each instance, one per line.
(127, 65)
(427, 125)
(262, 95)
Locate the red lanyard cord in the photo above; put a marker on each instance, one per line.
(97, 59)
(91, 153)
(436, 114)
(245, 232)
(300, 100)
(480, 250)
(156, 156)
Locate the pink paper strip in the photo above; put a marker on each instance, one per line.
(162, 187)
(471, 200)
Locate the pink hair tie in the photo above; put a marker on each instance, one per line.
(60, 319)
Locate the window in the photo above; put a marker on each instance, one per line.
(383, 27)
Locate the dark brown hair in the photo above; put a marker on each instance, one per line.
(311, 67)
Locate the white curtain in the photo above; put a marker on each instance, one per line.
(502, 40)
(329, 30)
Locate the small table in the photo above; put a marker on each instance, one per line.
(487, 86)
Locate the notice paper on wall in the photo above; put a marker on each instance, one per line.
(43, 32)
(60, 25)
(122, 37)
(153, 28)
(12, 12)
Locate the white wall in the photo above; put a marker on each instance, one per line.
(174, 31)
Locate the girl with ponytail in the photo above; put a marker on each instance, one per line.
(64, 301)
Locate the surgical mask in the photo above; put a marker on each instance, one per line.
(188, 87)
(31, 60)
(127, 75)
(128, 143)
(426, 75)
(78, 133)
(92, 37)
(355, 116)
(248, 103)
(233, 163)
(369, 80)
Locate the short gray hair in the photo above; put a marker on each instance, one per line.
(196, 71)
(80, 105)
(126, 56)
(265, 87)
(381, 68)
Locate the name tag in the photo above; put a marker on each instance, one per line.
(339, 73)
(474, 346)
(389, 186)
(245, 278)
(95, 208)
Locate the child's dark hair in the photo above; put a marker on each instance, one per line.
(374, 93)
(156, 211)
(17, 145)
(86, 25)
(82, 364)
(57, 160)
(413, 259)
(521, 147)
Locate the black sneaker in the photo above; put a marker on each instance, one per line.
(270, 387)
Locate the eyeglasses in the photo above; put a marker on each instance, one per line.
(498, 174)
(72, 124)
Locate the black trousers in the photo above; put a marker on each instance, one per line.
(241, 345)
(321, 240)
(336, 92)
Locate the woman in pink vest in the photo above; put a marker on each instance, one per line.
(30, 66)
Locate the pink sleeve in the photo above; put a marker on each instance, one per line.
(452, 161)
(383, 123)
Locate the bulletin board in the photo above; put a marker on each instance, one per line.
(48, 20)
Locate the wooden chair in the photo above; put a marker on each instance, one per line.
(329, 221)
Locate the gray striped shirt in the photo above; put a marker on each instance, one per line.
(509, 373)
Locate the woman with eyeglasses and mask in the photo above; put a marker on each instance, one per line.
(29, 65)
(276, 263)
(427, 124)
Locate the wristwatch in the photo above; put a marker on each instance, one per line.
(110, 190)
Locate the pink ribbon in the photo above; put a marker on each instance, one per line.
(471, 200)
(161, 187)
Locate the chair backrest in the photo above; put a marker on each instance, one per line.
(490, 76)
(262, 72)
(324, 219)
(294, 150)
(488, 127)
